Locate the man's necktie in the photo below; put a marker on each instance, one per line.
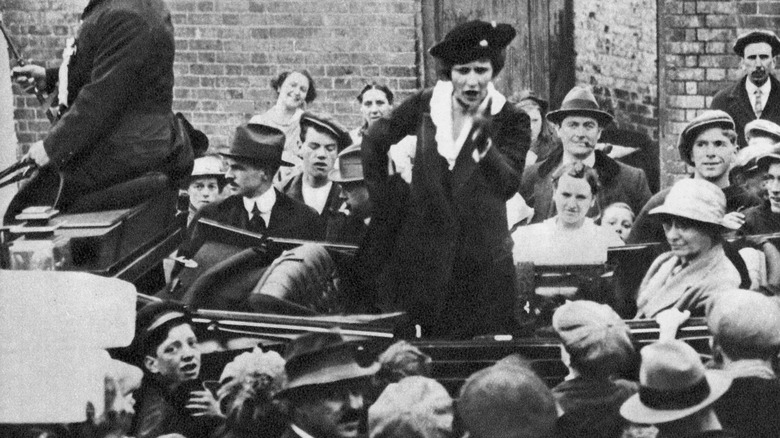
(256, 222)
(758, 108)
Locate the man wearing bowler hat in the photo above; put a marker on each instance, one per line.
(253, 159)
(757, 94)
(326, 387)
(350, 227)
(579, 124)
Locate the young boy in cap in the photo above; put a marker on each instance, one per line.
(676, 393)
(580, 122)
(205, 184)
(745, 328)
(757, 94)
(596, 345)
(171, 398)
(326, 387)
(321, 141)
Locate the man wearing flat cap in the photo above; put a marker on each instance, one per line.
(761, 136)
(757, 94)
(253, 159)
(745, 328)
(321, 141)
(326, 387)
(579, 123)
(765, 218)
(450, 264)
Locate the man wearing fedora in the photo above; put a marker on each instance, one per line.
(350, 227)
(326, 387)
(745, 328)
(321, 141)
(253, 159)
(676, 393)
(580, 122)
(757, 94)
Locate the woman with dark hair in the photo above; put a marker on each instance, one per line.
(696, 268)
(450, 266)
(570, 237)
(294, 90)
(544, 140)
(376, 101)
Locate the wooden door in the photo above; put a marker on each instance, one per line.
(541, 57)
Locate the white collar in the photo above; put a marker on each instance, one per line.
(265, 203)
(590, 161)
(302, 433)
(441, 115)
(751, 88)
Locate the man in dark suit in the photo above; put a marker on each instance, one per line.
(352, 226)
(326, 388)
(580, 122)
(118, 124)
(321, 141)
(757, 94)
(253, 159)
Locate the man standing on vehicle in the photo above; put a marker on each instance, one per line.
(116, 93)
(757, 94)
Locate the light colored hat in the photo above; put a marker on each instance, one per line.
(416, 406)
(768, 157)
(746, 320)
(707, 119)
(757, 36)
(594, 335)
(506, 400)
(694, 199)
(673, 384)
(349, 166)
(209, 165)
(580, 101)
(321, 358)
(759, 126)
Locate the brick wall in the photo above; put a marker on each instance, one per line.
(695, 38)
(616, 48)
(228, 51)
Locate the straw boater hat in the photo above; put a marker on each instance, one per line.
(706, 120)
(694, 199)
(349, 167)
(673, 384)
(580, 102)
(259, 144)
(322, 358)
(473, 40)
(757, 36)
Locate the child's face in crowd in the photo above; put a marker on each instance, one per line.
(619, 220)
(203, 191)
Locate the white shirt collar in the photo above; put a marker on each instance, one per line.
(302, 433)
(441, 116)
(265, 203)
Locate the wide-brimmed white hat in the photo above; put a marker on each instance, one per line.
(673, 384)
(694, 199)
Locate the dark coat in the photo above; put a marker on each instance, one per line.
(294, 189)
(289, 218)
(751, 407)
(120, 91)
(619, 183)
(735, 101)
(451, 267)
(346, 229)
(760, 219)
(161, 412)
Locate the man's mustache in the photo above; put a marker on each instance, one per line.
(351, 416)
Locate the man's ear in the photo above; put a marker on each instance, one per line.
(598, 136)
(151, 364)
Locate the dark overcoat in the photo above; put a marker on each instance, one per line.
(735, 101)
(451, 267)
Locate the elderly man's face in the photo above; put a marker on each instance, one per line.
(319, 152)
(335, 410)
(758, 62)
(177, 358)
(579, 135)
(712, 154)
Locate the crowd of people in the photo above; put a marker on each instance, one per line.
(443, 195)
